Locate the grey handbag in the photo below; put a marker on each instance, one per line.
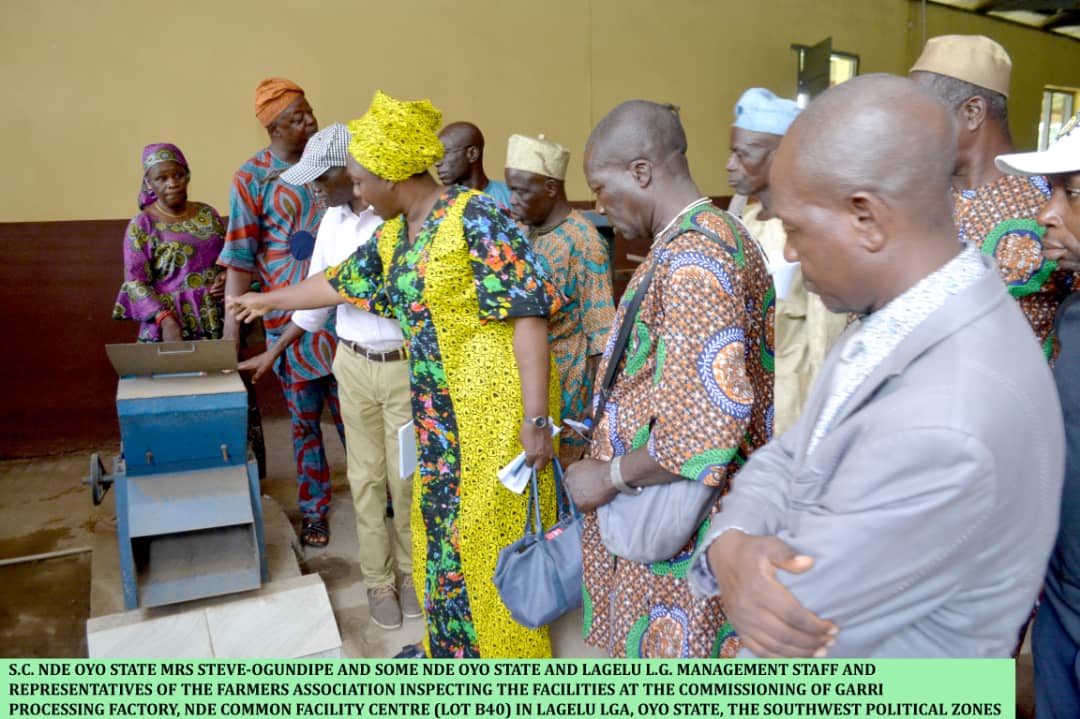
(539, 576)
(654, 525)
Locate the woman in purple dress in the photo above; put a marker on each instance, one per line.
(172, 285)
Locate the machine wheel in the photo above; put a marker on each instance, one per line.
(98, 484)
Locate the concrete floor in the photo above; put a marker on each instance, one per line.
(46, 509)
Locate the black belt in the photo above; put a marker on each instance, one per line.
(395, 355)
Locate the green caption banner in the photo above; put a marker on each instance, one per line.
(503, 689)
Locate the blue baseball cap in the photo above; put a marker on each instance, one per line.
(758, 110)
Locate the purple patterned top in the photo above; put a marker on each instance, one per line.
(171, 266)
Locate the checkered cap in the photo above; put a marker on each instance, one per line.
(326, 148)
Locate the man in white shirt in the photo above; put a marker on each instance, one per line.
(373, 384)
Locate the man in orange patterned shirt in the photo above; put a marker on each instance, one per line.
(692, 397)
(994, 211)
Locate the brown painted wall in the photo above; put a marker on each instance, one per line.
(60, 280)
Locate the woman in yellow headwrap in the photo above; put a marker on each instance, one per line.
(472, 300)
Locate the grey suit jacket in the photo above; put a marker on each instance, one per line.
(931, 505)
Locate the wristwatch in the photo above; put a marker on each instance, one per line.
(618, 482)
(538, 422)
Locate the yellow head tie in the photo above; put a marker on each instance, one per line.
(396, 139)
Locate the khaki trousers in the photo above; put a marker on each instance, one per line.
(375, 403)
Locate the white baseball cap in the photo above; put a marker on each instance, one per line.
(1061, 157)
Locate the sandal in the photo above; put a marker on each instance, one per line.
(411, 651)
(314, 533)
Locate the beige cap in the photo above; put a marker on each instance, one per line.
(972, 58)
(537, 155)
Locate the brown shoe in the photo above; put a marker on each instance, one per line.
(409, 606)
(383, 607)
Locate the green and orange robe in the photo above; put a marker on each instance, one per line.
(453, 290)
(695, 388)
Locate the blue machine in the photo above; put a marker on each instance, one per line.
(188, 507)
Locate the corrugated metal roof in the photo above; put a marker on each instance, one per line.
(1056, 16)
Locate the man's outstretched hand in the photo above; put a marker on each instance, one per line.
(248, 307)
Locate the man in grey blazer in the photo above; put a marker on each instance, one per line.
(911, 509)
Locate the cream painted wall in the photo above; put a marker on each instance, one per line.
(702, 54)
(93, 82)
(90, 83)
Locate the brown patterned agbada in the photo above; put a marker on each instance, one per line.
(696, 389)
(999, 219)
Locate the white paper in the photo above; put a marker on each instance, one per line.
(582, 428)
(406, 438)
(515, 476)
(783, 273)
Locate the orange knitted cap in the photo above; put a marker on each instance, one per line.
(272, 96)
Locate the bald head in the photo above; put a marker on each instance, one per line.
(880, 134)
(861, 181)
(635, 163)
(463, 160)
(639, 129)
(462, 134)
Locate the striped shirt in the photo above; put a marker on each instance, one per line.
(271, 234)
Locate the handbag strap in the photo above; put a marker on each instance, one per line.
(532, 508)
(562, 493)
(533, 511)
(533, 522)
(622, 338)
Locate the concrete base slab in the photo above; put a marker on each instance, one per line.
(287, 619)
